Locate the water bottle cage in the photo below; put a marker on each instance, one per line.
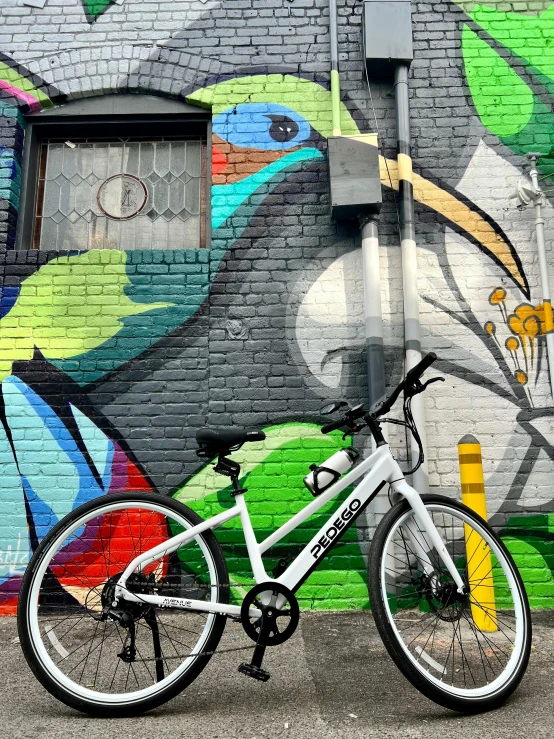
(320, 470)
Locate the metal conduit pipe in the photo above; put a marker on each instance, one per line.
(540, 202)
(412, 329)
(373, 326)
(335, 79)
(373, 317)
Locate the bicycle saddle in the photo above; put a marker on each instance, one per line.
(226, 438)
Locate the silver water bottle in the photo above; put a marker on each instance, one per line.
(324, 475)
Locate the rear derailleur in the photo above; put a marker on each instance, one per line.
(128, 613)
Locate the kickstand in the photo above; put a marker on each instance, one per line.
(254, 669)
(150, 619)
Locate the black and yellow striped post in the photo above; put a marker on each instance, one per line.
(479, 560)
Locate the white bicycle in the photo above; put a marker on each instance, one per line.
(125, 600)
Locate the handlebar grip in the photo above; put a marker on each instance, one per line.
(416, 372)
(332, 426)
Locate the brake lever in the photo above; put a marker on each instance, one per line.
(417, 387)
(429, 382)
(354, 428)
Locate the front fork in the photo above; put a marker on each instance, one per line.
(426, 526)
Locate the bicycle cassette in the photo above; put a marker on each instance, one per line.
(288, 614)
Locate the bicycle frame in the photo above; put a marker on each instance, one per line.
(381, 469)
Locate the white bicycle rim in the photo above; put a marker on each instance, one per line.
(511, 667)
(38, 645)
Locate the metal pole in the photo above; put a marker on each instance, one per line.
(373, 317)
(412, 330)
(479, 559)
(543, 267)
(373, 323)
(335, 79)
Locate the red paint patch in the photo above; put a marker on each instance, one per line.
(136, 481)
(121, 536)
(219, 161)
(8, 607)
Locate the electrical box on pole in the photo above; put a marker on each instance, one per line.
(354, 175)
(387, 34)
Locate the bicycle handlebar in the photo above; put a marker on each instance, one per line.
(412, 377)
(416, 372)
(333, 426)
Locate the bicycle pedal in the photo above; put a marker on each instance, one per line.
(258, 673)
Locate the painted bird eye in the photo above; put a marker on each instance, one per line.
(262, 126)
(283, 128)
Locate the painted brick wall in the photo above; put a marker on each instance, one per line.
(266, 325)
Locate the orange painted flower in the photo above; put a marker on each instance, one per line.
(521, 377)
(497, 296)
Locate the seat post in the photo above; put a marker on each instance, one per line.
(229, 468)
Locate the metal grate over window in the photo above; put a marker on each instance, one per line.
(121, 194)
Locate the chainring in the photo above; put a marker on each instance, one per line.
(252, 625)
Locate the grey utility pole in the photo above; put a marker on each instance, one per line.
(412, 329)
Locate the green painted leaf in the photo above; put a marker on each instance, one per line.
(503, 101)
(94, 8)
(507, 107)
(530, 37)
(70, 305)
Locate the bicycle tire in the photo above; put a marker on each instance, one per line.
(34, 595)
(417, 663)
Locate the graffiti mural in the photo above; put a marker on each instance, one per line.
(54, 459)
(110, 360)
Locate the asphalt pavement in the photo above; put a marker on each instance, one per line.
(332, 680)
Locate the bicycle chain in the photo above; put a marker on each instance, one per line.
(207, 653)
(202, 654)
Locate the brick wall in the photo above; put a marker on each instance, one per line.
(266, 325)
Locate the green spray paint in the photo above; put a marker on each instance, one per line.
(95, 8)
(71, 305)
(530, 541)
(309, 99)
(506, 105)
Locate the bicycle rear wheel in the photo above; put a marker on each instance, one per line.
(126, 664)
(467, 652)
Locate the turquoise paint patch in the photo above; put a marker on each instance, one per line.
(10, 177)
(180, 277)
(227, 198)
(43, 516)
(47, 455)
(100, 448)
(9, 110)
(15, 547)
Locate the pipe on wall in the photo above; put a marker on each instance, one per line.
(373, 317)
(539, 202)
(373, 327)
(335, 79)
(412, 328)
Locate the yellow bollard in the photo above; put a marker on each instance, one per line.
(479, 560)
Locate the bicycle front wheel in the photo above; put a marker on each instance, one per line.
(121, 658)
(467, 652)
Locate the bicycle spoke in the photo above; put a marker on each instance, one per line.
(436, 623)
(104, 644)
